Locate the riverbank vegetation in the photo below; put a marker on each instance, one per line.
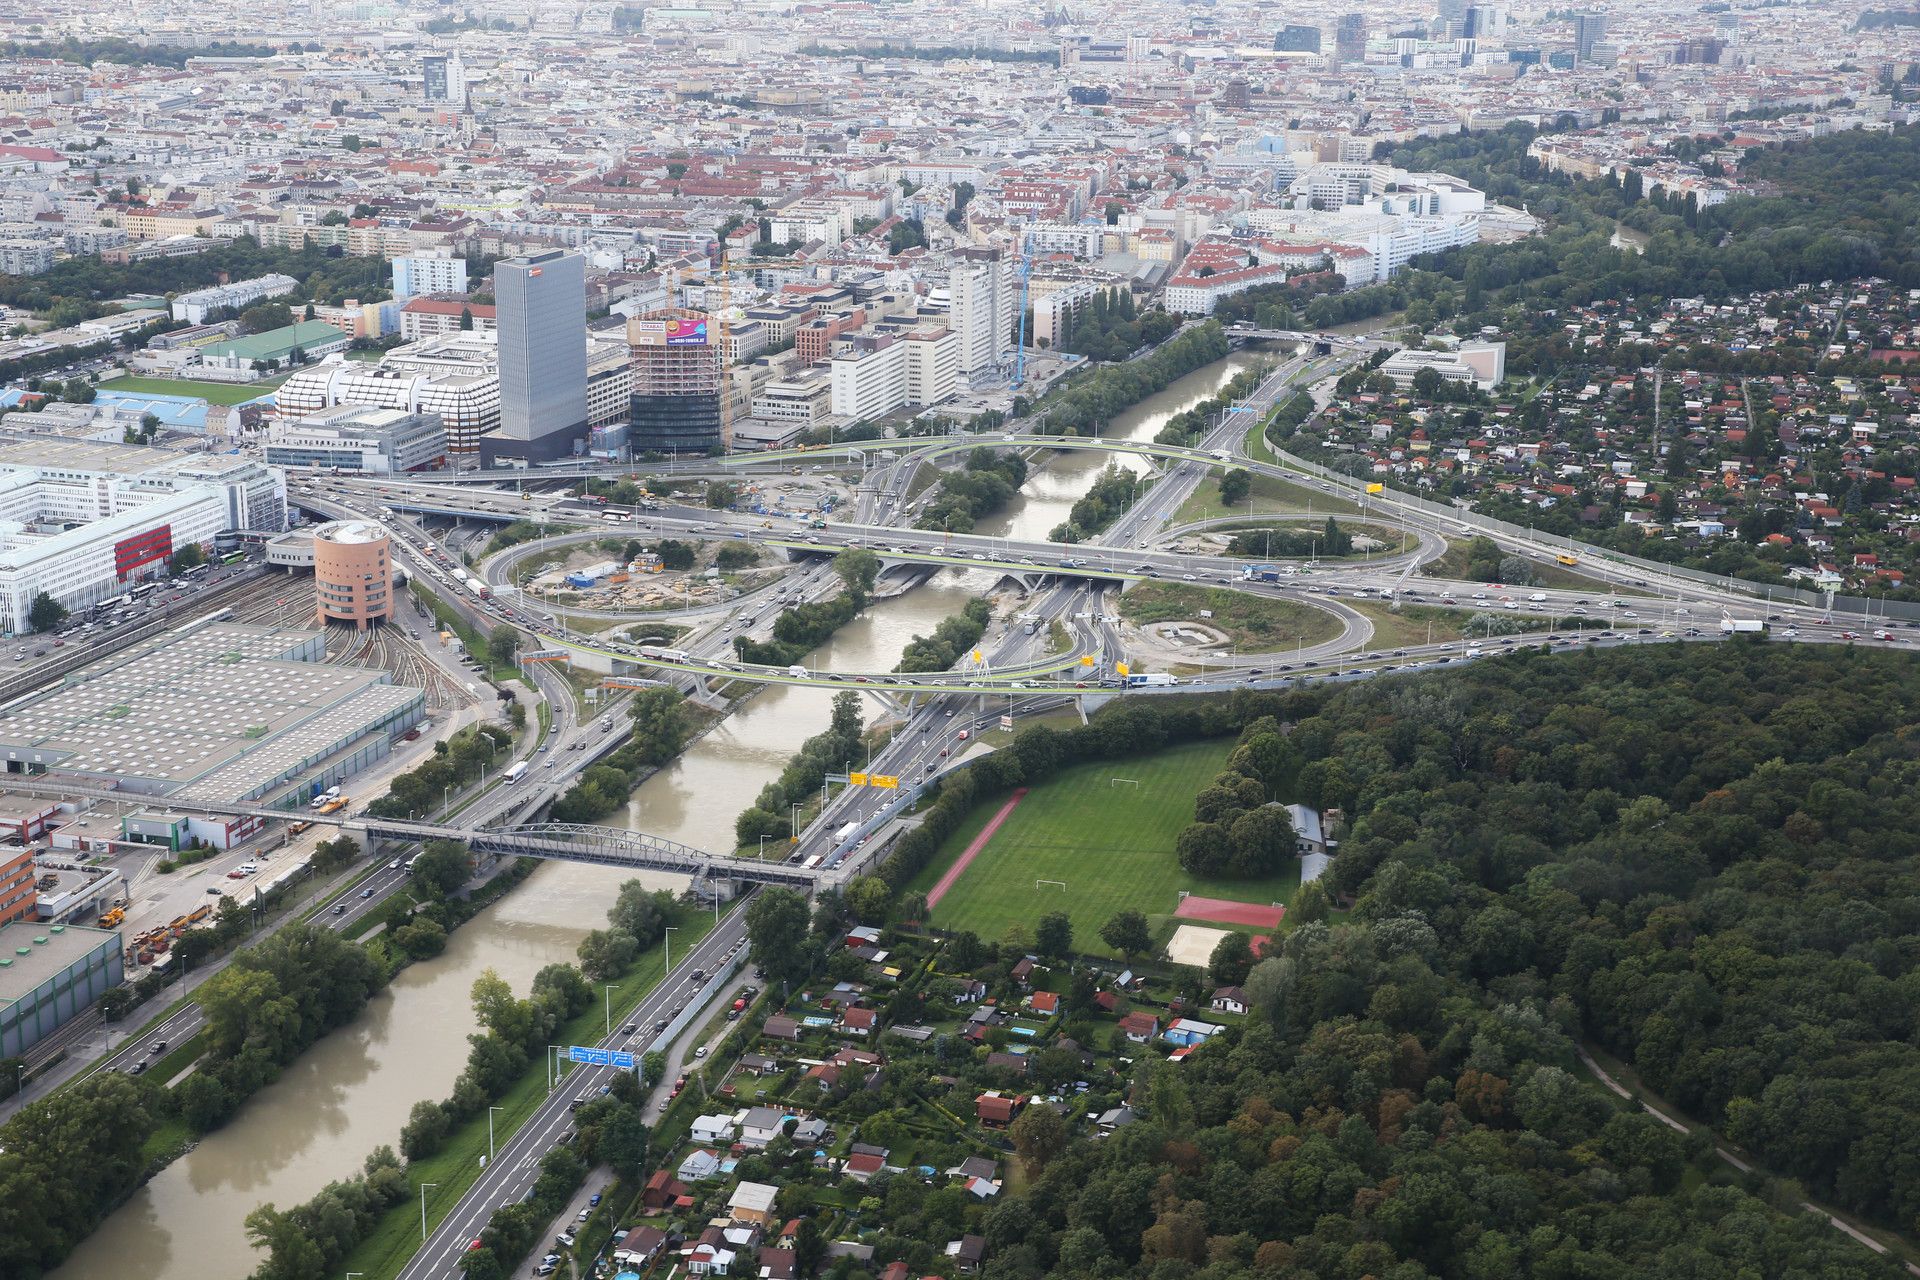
(954, 637)
(826, 752)
(662, 723)
(455, 762)
(984, 485)
(1088, 400)
(1112, 492)
(806, 626)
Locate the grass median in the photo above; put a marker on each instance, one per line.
(1258, 624)
(456, 1166)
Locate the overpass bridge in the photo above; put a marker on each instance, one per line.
(549, 841)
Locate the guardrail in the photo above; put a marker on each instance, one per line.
(694, 1007)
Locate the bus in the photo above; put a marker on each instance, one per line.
(1568, 560)
(516, 772)
(196, 571)
(233, 557)
(144, 590)
(813, 862)
(110, 604)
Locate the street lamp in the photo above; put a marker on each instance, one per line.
(667, 940)
(793, 825)
(490, 1111)
(423, 1209)
(607, 992)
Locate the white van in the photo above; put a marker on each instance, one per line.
(247, 868)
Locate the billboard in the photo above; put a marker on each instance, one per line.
(142, 548)
(687, 333)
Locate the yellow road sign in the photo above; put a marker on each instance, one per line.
(976, 655)
(885, 781)
(1086, 659)
(1119, 668)
(1376, 488)
(857, 779)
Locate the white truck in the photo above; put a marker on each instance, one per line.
(1742, 626)
(845, 833)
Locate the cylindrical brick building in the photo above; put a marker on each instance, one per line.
(352, 572)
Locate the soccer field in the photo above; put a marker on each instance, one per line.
(1111, 843)
(211, 392)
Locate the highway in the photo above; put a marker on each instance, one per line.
(510, 1176)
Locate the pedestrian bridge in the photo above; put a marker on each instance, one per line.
(596, 846)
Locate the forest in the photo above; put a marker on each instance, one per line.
(1704, 861)
(83, 287)
(1844, 206)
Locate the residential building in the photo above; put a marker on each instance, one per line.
(25, 257)
(752, 1202)
(981, 295)
(1350, 40)
(430, 317)
(196, 305)
(417, 274)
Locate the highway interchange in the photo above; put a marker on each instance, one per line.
(938, 715)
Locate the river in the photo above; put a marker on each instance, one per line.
(353, 1090)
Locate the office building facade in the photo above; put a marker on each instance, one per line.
(540, 305)
(352, 573)
(1350, 40)
(1297, 38)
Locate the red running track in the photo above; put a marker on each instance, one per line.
(967, 855)
(1223, 911)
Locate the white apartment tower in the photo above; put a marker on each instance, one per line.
(981, 288)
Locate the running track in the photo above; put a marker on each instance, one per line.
(967, 855)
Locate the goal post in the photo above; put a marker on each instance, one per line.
(1131, 782)
(1061, 885)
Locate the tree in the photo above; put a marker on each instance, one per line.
(661, 724)
(1234, 487)
(426, 1128)
(1310, 903)
(870, 897)
(114, 1002)
(1127, 932)
(1053, 936)
(777, 932)
(1039, 1134)
(809, 1246)
(857, 568)
(502, 643)
(441, 867)
(46, 613)
(1231, 961)
(722, 494)
(623, 1141)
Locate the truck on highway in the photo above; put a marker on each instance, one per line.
(845, 833)
(516, 772)
(1151, 680)
(1030, 626)
(1743, 626)
(797, 671)
(1260, 573)
(664, 655)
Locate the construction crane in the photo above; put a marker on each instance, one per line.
(725, 324)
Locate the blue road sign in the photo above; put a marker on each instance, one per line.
(601, 1057)
(624, 1061)
(579, 1053)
